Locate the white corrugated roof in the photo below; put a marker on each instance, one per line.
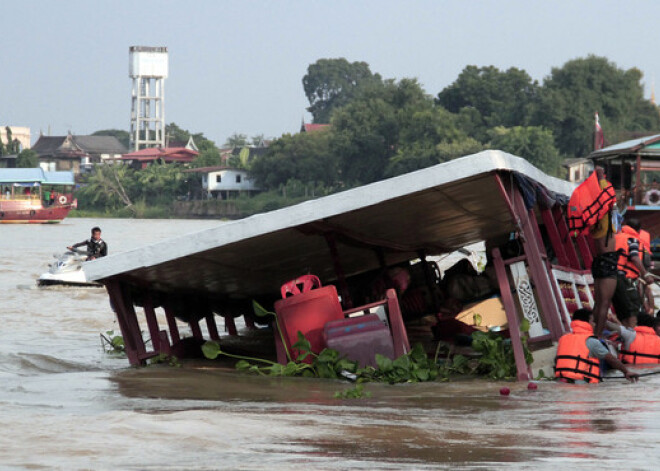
(436, 209)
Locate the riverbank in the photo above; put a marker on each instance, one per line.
(235, 208)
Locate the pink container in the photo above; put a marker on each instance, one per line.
(308, 312)
(360, 338)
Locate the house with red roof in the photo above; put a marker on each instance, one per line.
(142, 158)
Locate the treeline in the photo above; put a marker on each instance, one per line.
(385, 127)
(380, 128)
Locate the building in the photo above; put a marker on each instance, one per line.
(76, 153)
(168, 155)
(577, 170)
(225, 182)
(20, 133)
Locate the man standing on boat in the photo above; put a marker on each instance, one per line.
(590, 213)
(96, 247)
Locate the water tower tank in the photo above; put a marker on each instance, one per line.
(148, 68)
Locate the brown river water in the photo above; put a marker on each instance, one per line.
(65, 404)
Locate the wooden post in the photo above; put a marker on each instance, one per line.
(523, 369)
(555, 238)
(538, 270)
(127, 319)
(152, 322)
(171, 324)
(565, 238)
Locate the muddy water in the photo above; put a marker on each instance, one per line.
(64, 404)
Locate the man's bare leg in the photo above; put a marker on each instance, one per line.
(604, 291)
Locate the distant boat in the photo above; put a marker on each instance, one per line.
(34, 196)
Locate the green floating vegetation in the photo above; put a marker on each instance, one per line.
(112, 344)
(414, 366)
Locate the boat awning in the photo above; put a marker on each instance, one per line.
(434, 210)
(648, 146)
(35, 175)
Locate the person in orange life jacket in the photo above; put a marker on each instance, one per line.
(604, 265)
(579, 353)
(641, 344)
(630, 270)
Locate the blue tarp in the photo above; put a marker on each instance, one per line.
(30, 176)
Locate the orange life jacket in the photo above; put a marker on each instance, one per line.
(644, 349)
(645, 241)
(589, 204)
(573, 360)
(625, 264)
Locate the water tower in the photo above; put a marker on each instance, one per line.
(147, 66)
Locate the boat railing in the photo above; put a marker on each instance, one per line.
(25, 197)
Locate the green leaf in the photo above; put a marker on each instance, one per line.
(260, 311)
(524, 325)
(303, 344)
(211, 350)
(384, 363)
(242, 365)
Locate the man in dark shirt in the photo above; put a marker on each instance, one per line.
(96, 247)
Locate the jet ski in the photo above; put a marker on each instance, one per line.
(67, 270)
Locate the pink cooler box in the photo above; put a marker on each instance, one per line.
(360, 338)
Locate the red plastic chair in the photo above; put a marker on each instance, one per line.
(302, 284)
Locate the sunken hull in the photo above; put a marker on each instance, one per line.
(32, 212)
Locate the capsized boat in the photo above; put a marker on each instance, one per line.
(347, 237)
(67, 270)
(35, 196)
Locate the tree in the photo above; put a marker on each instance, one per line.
(178, 135)
(121, 135)
(236, 140)
(332, 83)
(500, 98)
(207, 158)
(305, 157)
(572, 93)
(430, 135)
(27, 158)
(533, 143)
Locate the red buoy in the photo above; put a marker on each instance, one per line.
(505, 391)
(532, 386)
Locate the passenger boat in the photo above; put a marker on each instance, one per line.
(633, 168)
(345, 239)
(35, 196)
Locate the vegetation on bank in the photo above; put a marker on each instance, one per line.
(381, 127)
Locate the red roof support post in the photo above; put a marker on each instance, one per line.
(538, 271)
(523, 369)
(555, 238)
(567, 241)
(152, 322)
(171, 324)
(127, 319)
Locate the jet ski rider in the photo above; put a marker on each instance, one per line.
(96, 247)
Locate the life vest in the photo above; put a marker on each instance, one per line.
(589, 203)
(645, 241)
(644, 349)
(573, 360)
(625, 264)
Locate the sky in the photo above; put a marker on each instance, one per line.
(236, 66)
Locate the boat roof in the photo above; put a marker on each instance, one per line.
(435, 210)
(646, 146)
(35, 175)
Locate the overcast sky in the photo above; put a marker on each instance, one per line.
(237, 65)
